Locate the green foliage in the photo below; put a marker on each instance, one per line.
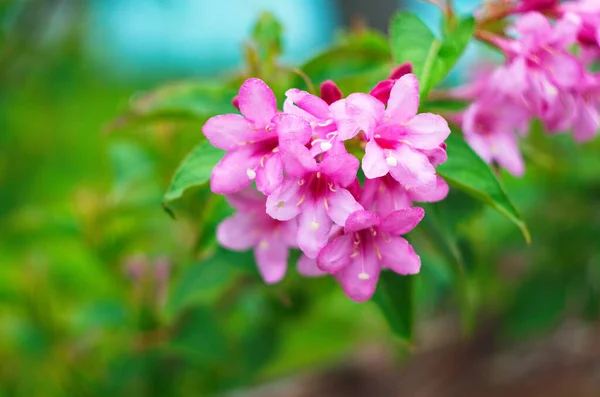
(432, 59)
(195, 170)
(394, 295)
(466, 171)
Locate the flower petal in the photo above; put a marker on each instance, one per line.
(270, 176)
(340, 168)
(398, 255)
(340, 204)
(231, 173)
(247, 199)
(308, 267)
(373, 163)
(346, 127)
(330, 92)
(430, 194)
(313, 228)
(282, 204)
(404, 99)
(336, 255)
(257, 102)
(239, 232)
(293, 127)
(271, 258)
(296, 158)
(359, 220)
(505, 150)
(587, 123)
(309, 103)
(402, 221)
(359, 279)
(365, 111)
(227, 131)
(413, 168)
(426, 131)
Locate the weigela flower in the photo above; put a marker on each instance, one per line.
(396, 135)
(311, 195)
(367, 245)
(252, 228)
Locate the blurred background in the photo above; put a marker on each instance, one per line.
(101, 291)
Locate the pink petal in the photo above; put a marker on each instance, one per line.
(382, 90)
(247, 199)
(239, 232)
(587, 123)
(384, 196)
(565, 70)
(309, 103)
(292, 127)
(270, 177)
(398, 255)
(534, 27)
(426, 131)
(373, 163)
(404, 99)
(296, 158)
(257, 102)
(313, 228)
(340, 204)
(413, 168)
(308, 267)
(365, 111)
(282, 204)
(347, 127)
(287, 232)
(337, 254)
(402, 221)
(359, 220)
(231, 173)
(506, 152)
(228, 131)
(340, 168)
(359, 279)
(401, 70)
(271, 258)
(430, 195)
(436, 156)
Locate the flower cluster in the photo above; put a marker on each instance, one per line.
(547, 76)
(308, 195)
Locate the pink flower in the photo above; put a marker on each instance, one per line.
(490, 126)
(315, 193)
(251, 227)
(252, 140)
(385, 195)
(367, 245)
(536, 5)
(589, 12)
(397, 136)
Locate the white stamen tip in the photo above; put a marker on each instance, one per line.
(264, 245)
(392, 161)
(314, 225)
(325, 146)
(251, 174)
(363, 276)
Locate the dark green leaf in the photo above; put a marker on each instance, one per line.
(195, 170)
(466, 171)
(394, 296)
(203, 280)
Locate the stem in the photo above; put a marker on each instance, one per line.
(307, 80)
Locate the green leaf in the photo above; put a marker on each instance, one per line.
(195, 170)
(366, 54)
(205, 279)
(188, 100)
(394, 296)
(432, 59)
(466, 171)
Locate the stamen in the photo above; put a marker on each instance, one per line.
(301, 182)
(363, 276)
(280, 204)
(251, 174)
(331, 187)
(301, 200)
(326, 204)
(318, 174)
(263, 245)
(275, 150)
(314, 225)
(325, 146)
(392, 161)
